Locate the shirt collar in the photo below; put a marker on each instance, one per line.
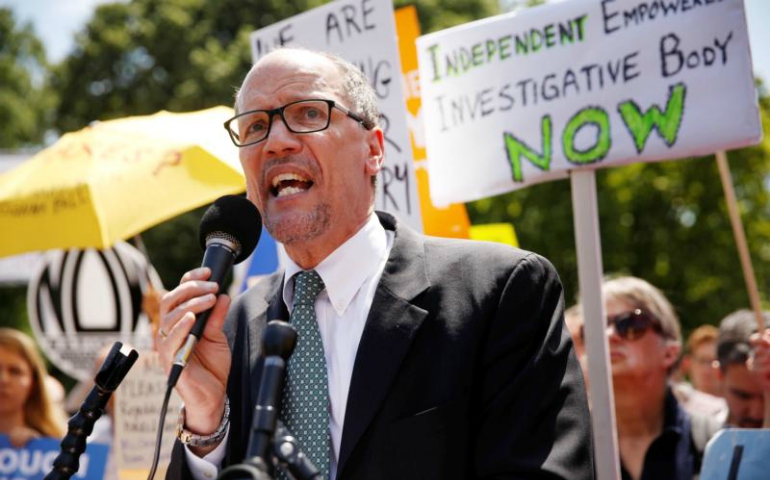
(366, 248)
(674, 418)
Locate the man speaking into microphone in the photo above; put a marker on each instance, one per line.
(416, 358)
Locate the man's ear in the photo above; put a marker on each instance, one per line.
(376, 151)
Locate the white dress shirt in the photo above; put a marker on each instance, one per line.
(351, 274)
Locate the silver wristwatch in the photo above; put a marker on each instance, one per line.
(194, 440)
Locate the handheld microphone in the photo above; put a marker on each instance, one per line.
(229, 232)
(112, 372)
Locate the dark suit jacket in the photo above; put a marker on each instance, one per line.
(465, 369)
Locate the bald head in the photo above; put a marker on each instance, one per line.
(354, 87)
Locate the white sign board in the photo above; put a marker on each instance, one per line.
(525, 97)
(81, 300)
(364, 33)
(137, 410)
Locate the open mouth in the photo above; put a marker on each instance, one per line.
(285, 184)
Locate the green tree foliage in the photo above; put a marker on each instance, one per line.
(25, 104)
(24, 98)
(146, 55)
(665, 222)
(436, 15)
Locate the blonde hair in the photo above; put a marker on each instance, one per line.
(645, 296)
(701, 335)
(40, 412)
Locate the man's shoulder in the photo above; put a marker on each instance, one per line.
(479, 265)
(456, 251)
(489, 254)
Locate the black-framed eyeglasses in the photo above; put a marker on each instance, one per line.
(632, 325)
(303, 116)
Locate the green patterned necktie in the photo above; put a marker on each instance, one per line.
(306, 393)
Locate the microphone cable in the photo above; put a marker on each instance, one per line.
(159, 436)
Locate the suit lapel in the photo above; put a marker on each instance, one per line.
(265, 307)
(390, 328)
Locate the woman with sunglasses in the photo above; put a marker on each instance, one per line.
(655, 434)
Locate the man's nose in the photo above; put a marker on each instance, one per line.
(281, 140)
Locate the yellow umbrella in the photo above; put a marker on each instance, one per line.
(114, 179)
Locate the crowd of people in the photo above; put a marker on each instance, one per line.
(669, 403)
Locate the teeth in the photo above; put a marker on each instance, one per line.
(289, 191)
(287, 176)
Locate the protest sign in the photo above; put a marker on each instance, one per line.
(526, 97)
(495, 232)
(137, 409)
(363, 32)
(81, 300)
(737, 454)
(446, 221)
(35, 460)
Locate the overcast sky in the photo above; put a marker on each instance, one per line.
(57, 21)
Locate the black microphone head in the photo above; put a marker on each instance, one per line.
(279, 338)
(115, 367)
(235, 218)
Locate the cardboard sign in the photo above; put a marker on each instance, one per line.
(495, 232)
(363, 32)
(35, 460)
(525, 97)
(137, 409)
(446, 221)
(81, 300)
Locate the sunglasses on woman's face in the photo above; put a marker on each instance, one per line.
(632, 325)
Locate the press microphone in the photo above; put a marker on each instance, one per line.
(229, 232)
(268, 434)
(278, 341)
(112, 372)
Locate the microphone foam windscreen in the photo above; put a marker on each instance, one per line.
(235, 216)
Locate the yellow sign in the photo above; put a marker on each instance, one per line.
(495, 232)
(451, 221)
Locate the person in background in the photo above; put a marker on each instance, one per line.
(56, 391)
(759, 363)
(744, 369)
(703, 394)
(656, 436)
(26, 407)
(573, 318)
(701, 360)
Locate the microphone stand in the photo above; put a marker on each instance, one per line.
(112, 372)
(290, 456)
(268, 434)
(287, 455)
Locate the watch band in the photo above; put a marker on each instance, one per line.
(194, 440)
